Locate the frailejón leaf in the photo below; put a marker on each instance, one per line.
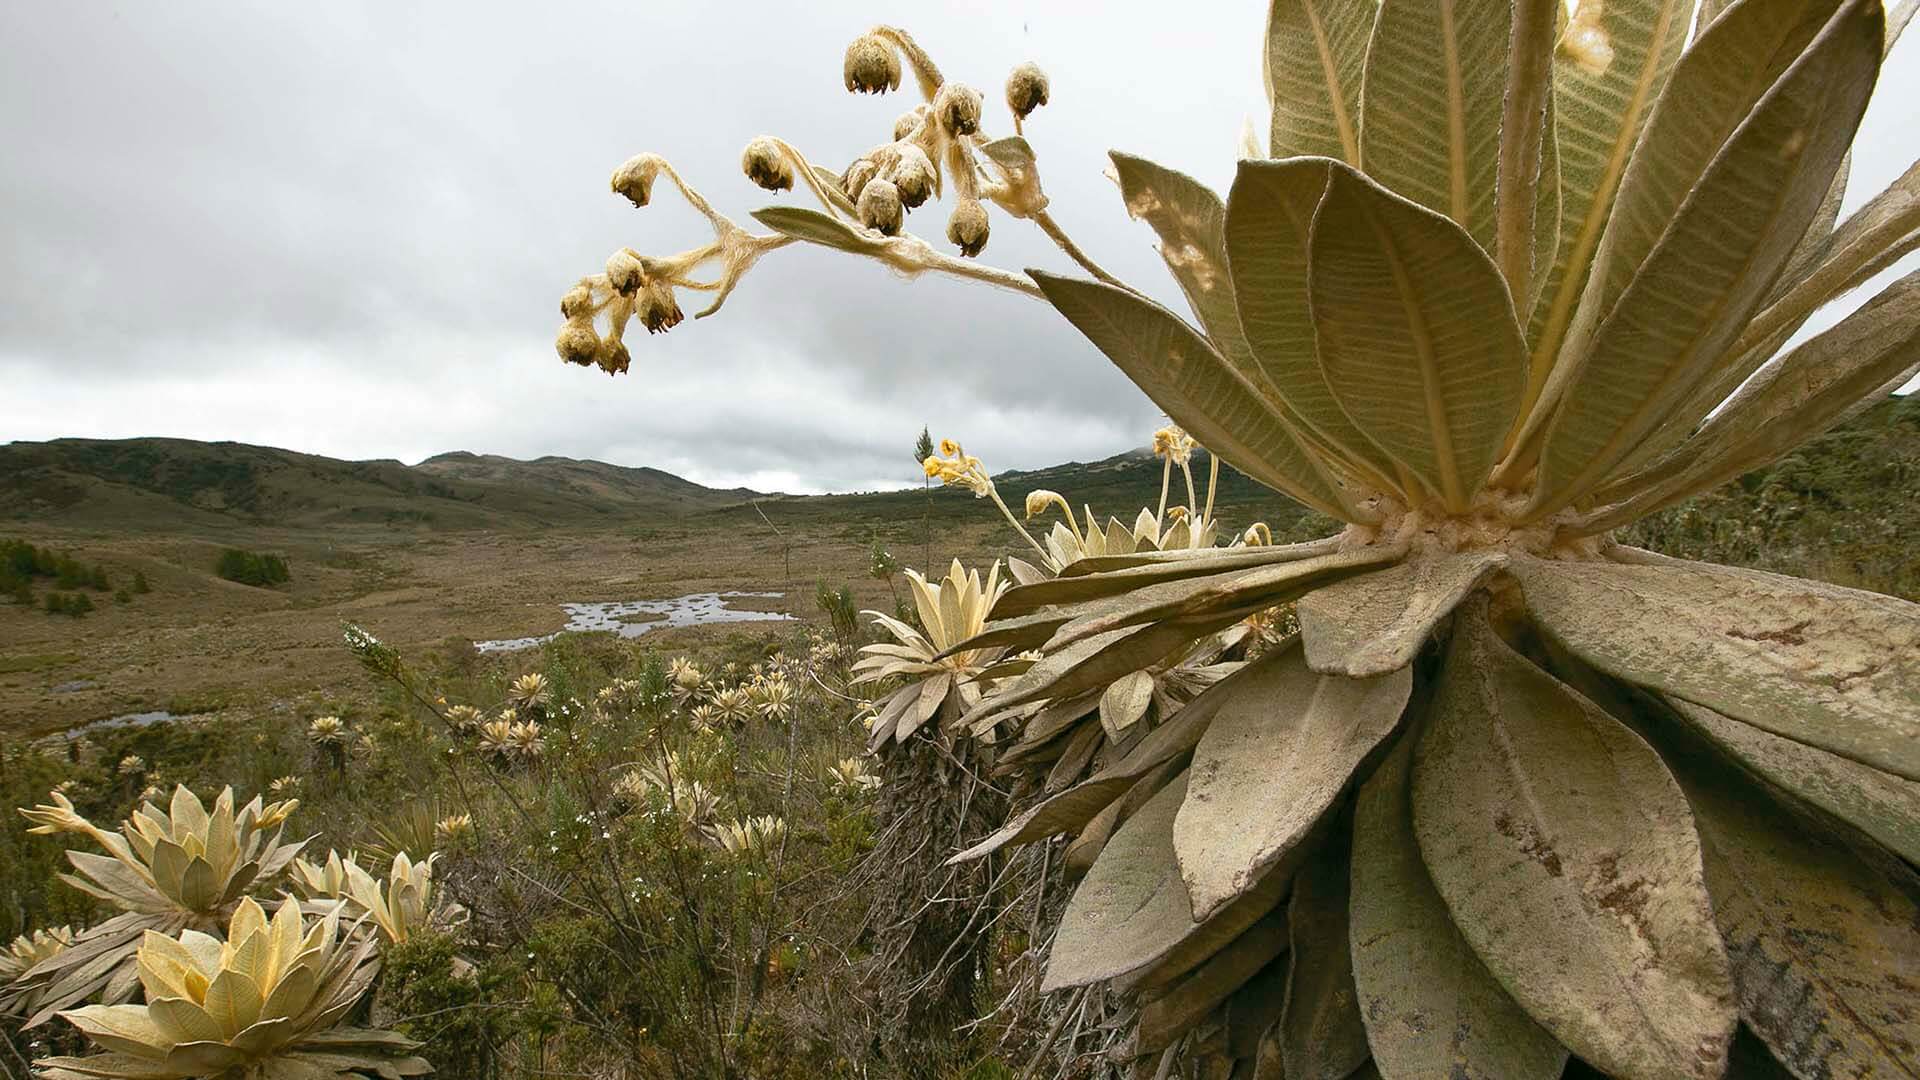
(1322, 1036)
(1430, 1005)
(1830, 667)
(1879, 804)
(1191, 222)
(1269, 222)
(1416, 333)
(1375, 623)
(1262, 776)
(1567, 857)
(1823, 929)
(1431, 104)
(1183, 375)
(1185, 1004)
(1316, 50)
(1734, 165)
(1606, 77)
(815, 227)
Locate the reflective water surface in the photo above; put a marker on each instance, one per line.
(619, 616)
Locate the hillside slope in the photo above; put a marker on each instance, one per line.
(180, 483)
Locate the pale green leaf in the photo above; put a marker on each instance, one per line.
(1124, 702)
(1820, 384)
(1431, 106)
(1707, 215)
(1239, 589)
(1261, 779)
(1269, 221)
(1375, 623)
(1601, 99)
(1315, 54)
(1872, 239)
(1879, 804)
(1185, 377)
(815, 227)
(1567, 857)
(1322, 1035)
(1416, 334)
(1431, 1007)
(1830, 667)
(1146, 569)
(1191, 222)
(1527, 179)
(1823, 930)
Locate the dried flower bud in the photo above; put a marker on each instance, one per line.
(958, 108)
(872, 66)
(614, 358)
(578, 303)
(968, 227)
(911, 174)
(578, 344)
(909, 122)
(765, 165)
(624, 273)
(657, 308)
(880, 206)
(1026, 89)
(854, 180)
(634, 177)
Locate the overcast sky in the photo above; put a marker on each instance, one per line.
(345, 228)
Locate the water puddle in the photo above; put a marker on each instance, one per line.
(112, 723)
(619, 617)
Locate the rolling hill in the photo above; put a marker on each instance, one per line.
(179, 483)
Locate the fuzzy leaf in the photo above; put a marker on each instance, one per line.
(1246, 690)
(1182, 1007)
(1601, 98)
(1261, 778)
(1191, 222)
(1823, 930)
(1375, 623)
(1879, 804)
(1567, 857)
(1259, 587)
(1830, 667)
(1416, 334)
(1316, 52)
(1131, 916)
(1193, 384)
(1322, 1035)
(1076, 588)
(815, 227)
(1735, 163)
(1269, 221)
(1431, 1007)
(1820, 384)
(1431, 104)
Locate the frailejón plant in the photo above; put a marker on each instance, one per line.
(165, 870)
(1505, 278)
(266, 1003)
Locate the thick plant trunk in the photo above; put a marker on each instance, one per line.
(930, 952)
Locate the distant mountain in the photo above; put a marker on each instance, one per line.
(162, 483)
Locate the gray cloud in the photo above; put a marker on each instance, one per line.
(346, 229)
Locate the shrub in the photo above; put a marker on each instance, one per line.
(252, 568)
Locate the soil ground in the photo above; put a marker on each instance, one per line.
(197, 644)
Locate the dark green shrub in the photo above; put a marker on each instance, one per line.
(252, 568)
